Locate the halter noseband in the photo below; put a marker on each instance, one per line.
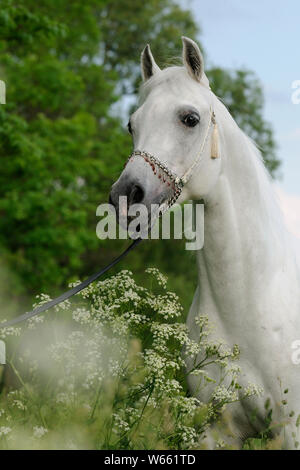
(167, 176)
(163, 173)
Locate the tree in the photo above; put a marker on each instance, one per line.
(128, 26)
(58, 144)
(62, 145)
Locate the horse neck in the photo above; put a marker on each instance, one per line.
(244, 235)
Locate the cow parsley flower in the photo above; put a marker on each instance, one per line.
(39, 431)
(4, 430)
(117, 365)
(253, 390)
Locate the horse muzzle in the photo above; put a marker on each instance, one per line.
(145, 186)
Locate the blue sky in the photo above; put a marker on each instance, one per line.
(264, 36)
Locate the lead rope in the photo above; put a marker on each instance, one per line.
(66, 295)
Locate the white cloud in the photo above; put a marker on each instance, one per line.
(290, 205)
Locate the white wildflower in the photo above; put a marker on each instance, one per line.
(253, 390)
(19, 404)
(160, 278)
(4, 430)
(222, 394)
(39, 431)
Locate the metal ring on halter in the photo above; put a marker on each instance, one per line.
(175, 180)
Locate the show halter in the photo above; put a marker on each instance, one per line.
(162, 171)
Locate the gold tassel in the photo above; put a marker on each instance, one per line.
(215, 139)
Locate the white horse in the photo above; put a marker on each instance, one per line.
(249, 273)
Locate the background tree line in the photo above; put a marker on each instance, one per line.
(62, 144)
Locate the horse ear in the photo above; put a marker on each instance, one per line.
(148, 65)
(193, 59)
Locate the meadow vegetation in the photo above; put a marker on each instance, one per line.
(107, 371)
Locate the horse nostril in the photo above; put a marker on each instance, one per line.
(136, 195)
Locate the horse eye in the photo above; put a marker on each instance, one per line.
(129, 127)
(190, 120)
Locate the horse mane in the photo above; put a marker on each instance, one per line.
(174, 77)
(267, 198)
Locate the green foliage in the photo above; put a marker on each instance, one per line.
(21, 28)
(128, 26)
(59, 145)
(65, 65)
